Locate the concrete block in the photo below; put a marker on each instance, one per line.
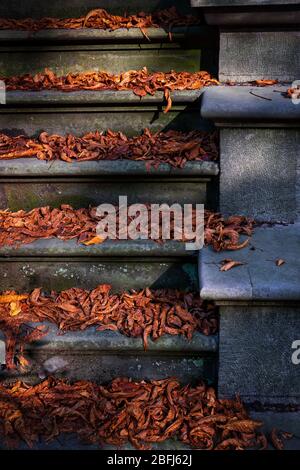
(257, 359)
(268, 54)
(258, 175)
(259, 279)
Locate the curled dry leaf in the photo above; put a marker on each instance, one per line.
(280, 262)
(66, 223)
(141, 82)
(123, 411)
(172, 147)
(144, 314)
(101, 19)
(94, 241)
(263, 82)
(228, 264)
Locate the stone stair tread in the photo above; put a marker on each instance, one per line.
(286, 421)
(259, 279)
(34, 167)
(102, 367)
(113, 341)
(56, 247)
(90, 34)
(237, 104)
(88, 97)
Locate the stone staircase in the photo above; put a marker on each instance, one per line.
(58, 265)
(259, 302)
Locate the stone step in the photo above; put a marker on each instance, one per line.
(30, 167)
(71, 248)
(102, 367)
(238, 106)
(113, 342)
(237, 13)
(103, 98)
(288, 422)
(129, 118)
(113, 59)
(30, 193)
(203, 34)
(58, 275)
(26, 274)
(259, 316)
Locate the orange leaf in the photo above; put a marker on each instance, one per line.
(94, 241)
(228, 264)
(6, 299)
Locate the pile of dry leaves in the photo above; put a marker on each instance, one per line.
(101, 19)
(143, 314)
(172, 147)
(123, 411)
(140, 82)
(66, 223)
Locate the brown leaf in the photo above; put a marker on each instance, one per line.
(280, 262)
(228, 264)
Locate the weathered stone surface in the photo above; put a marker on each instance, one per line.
(65, 59)
(138, 273)
(259, 279)
(85, 97)
(255, 353)
(202, 33)
(114, 342)
(257, 17)
(57, 248)
(240, 106)
(258, 176)
(262, 55)
(81, 120)
(92, 192)
(102, 368)
(32, 167)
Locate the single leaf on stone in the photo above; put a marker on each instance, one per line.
(265, 82)
(228, 264)
(94, 241)
(280, 262)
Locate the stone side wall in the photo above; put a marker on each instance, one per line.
(258, 175)
(254, 55)
(256, 353)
